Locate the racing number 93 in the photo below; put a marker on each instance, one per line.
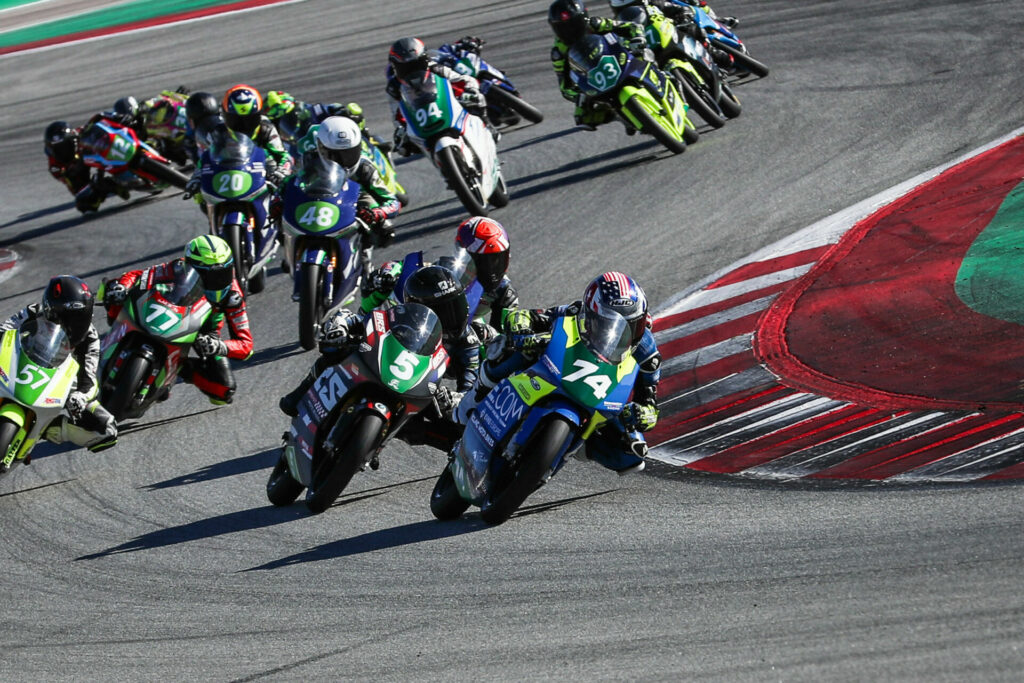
(605, 74)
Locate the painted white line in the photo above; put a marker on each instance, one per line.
(713, 320)
(707, 354)
(707, 297)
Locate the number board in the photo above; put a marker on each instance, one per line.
(605, 74)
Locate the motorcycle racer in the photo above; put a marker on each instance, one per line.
(407, 57)
(202, 115)
(682, 17)
(68, 302)
(211, 258)
(570, 22)
(64, 157)
(619, 447)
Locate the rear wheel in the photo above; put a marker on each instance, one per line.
(743, 60)
(498, 95)
(650, 125)
(232, 234)
(335, 470)
(700, 100)
(282, 489)
(729, 103)
(8, 430)
(445, 501)
(310, 304)
(129, 381)
(163, 173)
(535, 462)
(499, 197)
(451, 169)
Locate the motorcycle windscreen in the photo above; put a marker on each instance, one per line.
(464, 268)
(320, 178)
(415, 327)
(185, 290)
(45, 343)
(228, 148)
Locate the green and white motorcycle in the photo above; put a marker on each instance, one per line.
(458, 142)
(37, 374)
(355, 407)
(149, 342)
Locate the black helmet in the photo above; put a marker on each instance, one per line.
(127, 108)
(68, 302)
(408, 56)
(438, 289)
(568, 19)
(199, 105)
(61, 141)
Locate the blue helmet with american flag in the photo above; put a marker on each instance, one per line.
(614, 315)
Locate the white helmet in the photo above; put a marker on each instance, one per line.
(338, 139)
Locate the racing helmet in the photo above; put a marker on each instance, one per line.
(438, 289)
(200, 105)
(242, 105)
(127, 108)
(293, 125)
(162, 113)
(634, 14)
(408, 56)
(614, 316)
(338, 139)
(68, 302)
(211, 257)
(487, 243)
(60, 141)
(568, 19)
(279, 103)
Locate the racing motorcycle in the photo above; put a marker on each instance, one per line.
(608, 75)
(458, 142)
(302, 141)
(355, 407)
(146, 347)
(323, 241)
(724, 39)
(37, 374)
(526, 428)
(690, 63)
(117, 151)
(237, 195)
(505, 105)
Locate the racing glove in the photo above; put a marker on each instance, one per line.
(192, 188)
(75, 404)
(638, 416)
(208, 346)
(114, 293)
(518, 321)
(383, 279)
(637, 45)
(373, 217)
(531, 344)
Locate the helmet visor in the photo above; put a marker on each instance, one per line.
(346, 158)
(490, 268)
(216, 280)
(453, 312)
(403, 70)
(607, 334)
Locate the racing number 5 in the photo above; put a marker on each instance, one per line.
(404, 365)
(599, 383)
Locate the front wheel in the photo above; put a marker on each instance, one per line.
(129, 381)
(163, 173)
(445, 501)
(259, 281)
(535, 461)
(501, 97)
(451, 169)
(500, 196)
(232, 234)
(699, 99)
(8, 430)
(282, 489)
(335, 470)
(650, 125)
(310, 304)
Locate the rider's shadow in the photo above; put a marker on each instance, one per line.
(262, 460)
(582, 170)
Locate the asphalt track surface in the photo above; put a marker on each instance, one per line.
(161, 559)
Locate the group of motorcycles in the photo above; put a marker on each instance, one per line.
(524, 430)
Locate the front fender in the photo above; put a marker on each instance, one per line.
(14, 412)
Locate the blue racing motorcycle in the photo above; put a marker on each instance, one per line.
(526, 428)
(323, 241)
(725, 40)
(237, 196)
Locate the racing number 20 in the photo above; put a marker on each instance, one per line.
(599, 383)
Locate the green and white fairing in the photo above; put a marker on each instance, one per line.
(37, 373)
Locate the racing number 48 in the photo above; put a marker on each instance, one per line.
(599, 383)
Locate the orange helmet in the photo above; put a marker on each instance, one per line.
(242, 106)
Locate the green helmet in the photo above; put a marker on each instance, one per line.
(211, 256)
(278, 104)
